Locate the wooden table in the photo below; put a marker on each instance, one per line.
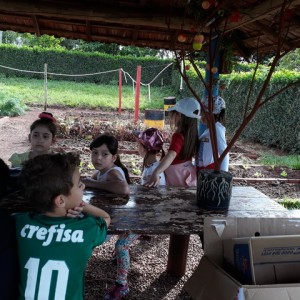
(174, 211)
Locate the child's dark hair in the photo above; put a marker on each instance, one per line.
(47, 176)
(220, 117)
(112, 144)
(45, 119)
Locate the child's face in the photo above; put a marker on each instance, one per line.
(41, 139)
(102, 159)
(75, 197)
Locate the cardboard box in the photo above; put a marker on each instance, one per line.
(263, 260)
(211, 282)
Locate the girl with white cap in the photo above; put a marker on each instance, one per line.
(177, 163)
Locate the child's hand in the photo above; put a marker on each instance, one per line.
(153, 181)
(76, 211)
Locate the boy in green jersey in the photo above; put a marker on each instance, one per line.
(56, 241)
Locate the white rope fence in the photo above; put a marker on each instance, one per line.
(126, 74)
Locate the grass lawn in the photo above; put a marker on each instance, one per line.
(89, 95)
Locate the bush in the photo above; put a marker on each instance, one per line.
(12, 107)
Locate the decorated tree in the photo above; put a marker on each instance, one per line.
(213, 37)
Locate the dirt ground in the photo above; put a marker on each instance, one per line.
(79, 126)
(147, 277)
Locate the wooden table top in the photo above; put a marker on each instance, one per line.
(173, 210)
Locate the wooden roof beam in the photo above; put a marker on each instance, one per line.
(271, 35)
(101, 12)
(259, 12)
(88, 29)
(36, 25)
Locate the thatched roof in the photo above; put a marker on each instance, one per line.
(252, 26)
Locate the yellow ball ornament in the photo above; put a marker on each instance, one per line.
(197, 46)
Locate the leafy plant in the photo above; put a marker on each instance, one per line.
(290, 161)
(11, 107)
(258, 175)
(290, 203)
(283, 174)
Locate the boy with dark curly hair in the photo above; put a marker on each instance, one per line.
(56, 241)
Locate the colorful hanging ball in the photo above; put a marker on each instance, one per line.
(197, 46)
(181, 38)
(199, 38)
(214, 70)
(205, 4)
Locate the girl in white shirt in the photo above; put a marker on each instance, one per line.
(205, 159)
(111, 175)
(150, 147)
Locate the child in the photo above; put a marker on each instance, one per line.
(9, 275)
(41, 137)
(150, 147)
(53, 248)
(205, 159)
(177, 164)
(111, 175)
(150, 143)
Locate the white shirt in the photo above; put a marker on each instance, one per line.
(205, 154)
(148, 172)
(103, 177)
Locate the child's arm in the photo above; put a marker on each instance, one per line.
(163, 165)
(88, 209)
(114, 184)
(96, 212)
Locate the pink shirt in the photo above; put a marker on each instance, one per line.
(177, 143)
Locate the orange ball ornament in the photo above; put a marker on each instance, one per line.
(181, 38)
(197, 46)
(214, 70)
(205, 4)
(199, 38)
(187, 67)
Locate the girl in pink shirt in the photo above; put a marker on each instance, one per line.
(177, 164)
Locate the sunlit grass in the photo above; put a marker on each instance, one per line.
(290, 161)
(89, 95)
(290, 203)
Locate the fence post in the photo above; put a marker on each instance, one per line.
(120, 91)
(137, 94)
(45, 87)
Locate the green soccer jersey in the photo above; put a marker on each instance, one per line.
(53, 254)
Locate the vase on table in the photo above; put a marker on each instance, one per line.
(214, 189)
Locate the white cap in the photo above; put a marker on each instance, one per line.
(189, 107)
(219, 104)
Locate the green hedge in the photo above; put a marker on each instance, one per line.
(276, 123)
(76, 62)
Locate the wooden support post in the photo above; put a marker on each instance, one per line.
(120, 91)
(137, 94)
(178, 248)
(45, 87)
